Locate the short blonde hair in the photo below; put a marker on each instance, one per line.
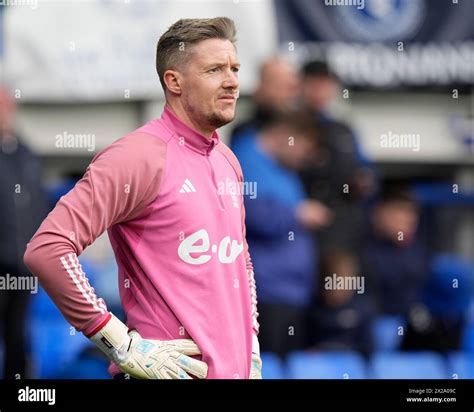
(172, 49)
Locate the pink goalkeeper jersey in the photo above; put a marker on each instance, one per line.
(171, 202)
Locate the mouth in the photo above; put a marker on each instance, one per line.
(228, 98)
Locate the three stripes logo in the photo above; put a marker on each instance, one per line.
(75, 272)
(187, 187)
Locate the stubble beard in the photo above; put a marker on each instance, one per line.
(219, 119)
(213, 120)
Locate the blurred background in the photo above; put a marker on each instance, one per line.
(354, 129)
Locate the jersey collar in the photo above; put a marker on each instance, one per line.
(190, 137)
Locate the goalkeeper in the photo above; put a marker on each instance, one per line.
(169, 196)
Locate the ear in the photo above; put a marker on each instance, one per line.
(172, 81)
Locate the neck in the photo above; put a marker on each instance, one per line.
(178, 110)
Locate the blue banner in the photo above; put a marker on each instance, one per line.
(383, 43)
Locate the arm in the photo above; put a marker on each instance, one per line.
(119, 183)
(283, 217)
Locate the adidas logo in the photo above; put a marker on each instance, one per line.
(187, 187)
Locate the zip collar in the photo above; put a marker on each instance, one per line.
(190, 137)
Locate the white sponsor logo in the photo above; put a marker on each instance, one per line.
(227, 250)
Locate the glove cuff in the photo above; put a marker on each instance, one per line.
(255, 345)
(113, 339)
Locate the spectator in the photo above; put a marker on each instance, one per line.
(438, 320)
(393, 260)
(278, 221)
(341, 319)
(339, 177)
(275, 94)
(320, 88)
(22, 208)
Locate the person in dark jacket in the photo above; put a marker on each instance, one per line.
(437, 321)
(23, 205)
(279, 218)
(341, 176)
(342, 316)
(393, 259)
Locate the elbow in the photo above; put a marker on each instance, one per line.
(30, 257)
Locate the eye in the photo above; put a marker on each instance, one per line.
(214, 70)
(235, 69)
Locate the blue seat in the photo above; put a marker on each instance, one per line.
(53, 346)
(326, 365)
(386, 333)
(272, 366)
(468, 337)
(90, 364)
(408, 365)
(461, 365)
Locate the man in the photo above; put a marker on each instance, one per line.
(341, 318)
(22, 207)
(320, 88)
(274, 96)
(186, 279)
(283, 251)
(341, 177)
(393, 258)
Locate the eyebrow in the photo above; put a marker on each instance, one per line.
(220, 64)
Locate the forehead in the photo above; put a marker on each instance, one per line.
(214, 50)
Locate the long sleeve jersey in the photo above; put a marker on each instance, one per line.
(172, 204)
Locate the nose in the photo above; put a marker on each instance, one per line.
(231, 81)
